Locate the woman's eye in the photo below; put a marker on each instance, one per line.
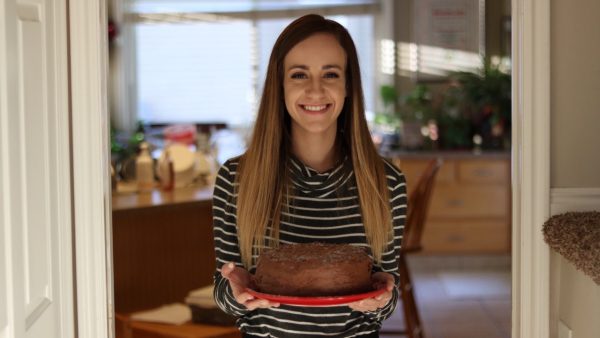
(298, 76)
(331, 75)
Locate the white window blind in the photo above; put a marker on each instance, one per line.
(204, 72)
(195, 72)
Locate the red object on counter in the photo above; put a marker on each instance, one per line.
(180, 133)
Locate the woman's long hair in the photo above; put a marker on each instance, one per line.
(263, 178)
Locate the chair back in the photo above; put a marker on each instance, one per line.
(418, 205)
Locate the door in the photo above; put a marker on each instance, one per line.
(36, 265)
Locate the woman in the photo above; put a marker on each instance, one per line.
(310, 173)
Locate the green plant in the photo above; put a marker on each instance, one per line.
(388, 97)
(454, 124)
(487, 95)
(416, 105)
(387, 120)
(123, 145)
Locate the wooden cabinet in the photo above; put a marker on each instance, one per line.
(470, 210)
(162, 247)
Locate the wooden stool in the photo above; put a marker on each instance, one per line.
(127, 328)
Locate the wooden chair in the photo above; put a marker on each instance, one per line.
(418, 205)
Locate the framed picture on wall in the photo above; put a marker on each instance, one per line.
(449, 36)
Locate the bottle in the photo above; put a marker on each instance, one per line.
(144, 173)
(167, 172)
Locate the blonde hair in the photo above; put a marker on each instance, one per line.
(262, 173)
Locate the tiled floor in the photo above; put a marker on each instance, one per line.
(460, 297)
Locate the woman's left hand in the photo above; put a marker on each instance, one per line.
(380, 280)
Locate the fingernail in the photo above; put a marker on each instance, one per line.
(231, 265)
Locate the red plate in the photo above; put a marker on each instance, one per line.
(315, 301)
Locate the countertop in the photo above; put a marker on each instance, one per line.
(130, 199)
(126, 197)
(446, 154)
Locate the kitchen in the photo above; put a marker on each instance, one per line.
(464, 236)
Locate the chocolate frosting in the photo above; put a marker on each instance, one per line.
(314, 269)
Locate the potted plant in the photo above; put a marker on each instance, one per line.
(387, 123)
(403, 117)
(415, 111)
(453, 119)
(487, 94)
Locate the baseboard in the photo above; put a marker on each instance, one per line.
(574, 199)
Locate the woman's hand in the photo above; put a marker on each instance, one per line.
(239, 279)
(380, 280)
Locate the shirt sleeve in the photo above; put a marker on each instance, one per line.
(225, 239)
(389, 260)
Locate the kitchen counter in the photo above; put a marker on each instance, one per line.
(127, 198)
(446, 154)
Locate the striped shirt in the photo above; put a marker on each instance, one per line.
(324, 208)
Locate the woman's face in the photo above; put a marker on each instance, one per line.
(315, 84)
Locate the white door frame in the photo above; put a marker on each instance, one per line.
(88, 36)
(530, 167)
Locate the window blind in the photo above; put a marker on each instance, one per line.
(195, 72)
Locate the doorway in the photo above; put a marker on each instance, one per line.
(529, 251)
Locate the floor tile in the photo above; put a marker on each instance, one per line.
(460, 297)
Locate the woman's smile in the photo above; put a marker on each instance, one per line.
(315, 109)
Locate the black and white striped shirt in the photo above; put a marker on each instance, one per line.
(324, 208)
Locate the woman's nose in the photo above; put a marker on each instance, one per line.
(315, 88)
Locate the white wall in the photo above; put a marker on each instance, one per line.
(578, 299)
(575, 101)
(575, 153)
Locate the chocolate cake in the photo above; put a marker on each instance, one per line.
(314, 269)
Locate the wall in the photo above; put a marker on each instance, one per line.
(575, 160)
(578, 300)
(575, 103)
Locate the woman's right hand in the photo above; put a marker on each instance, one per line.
(240, 279)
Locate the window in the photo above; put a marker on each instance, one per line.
(206, 72)
(195, 72)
